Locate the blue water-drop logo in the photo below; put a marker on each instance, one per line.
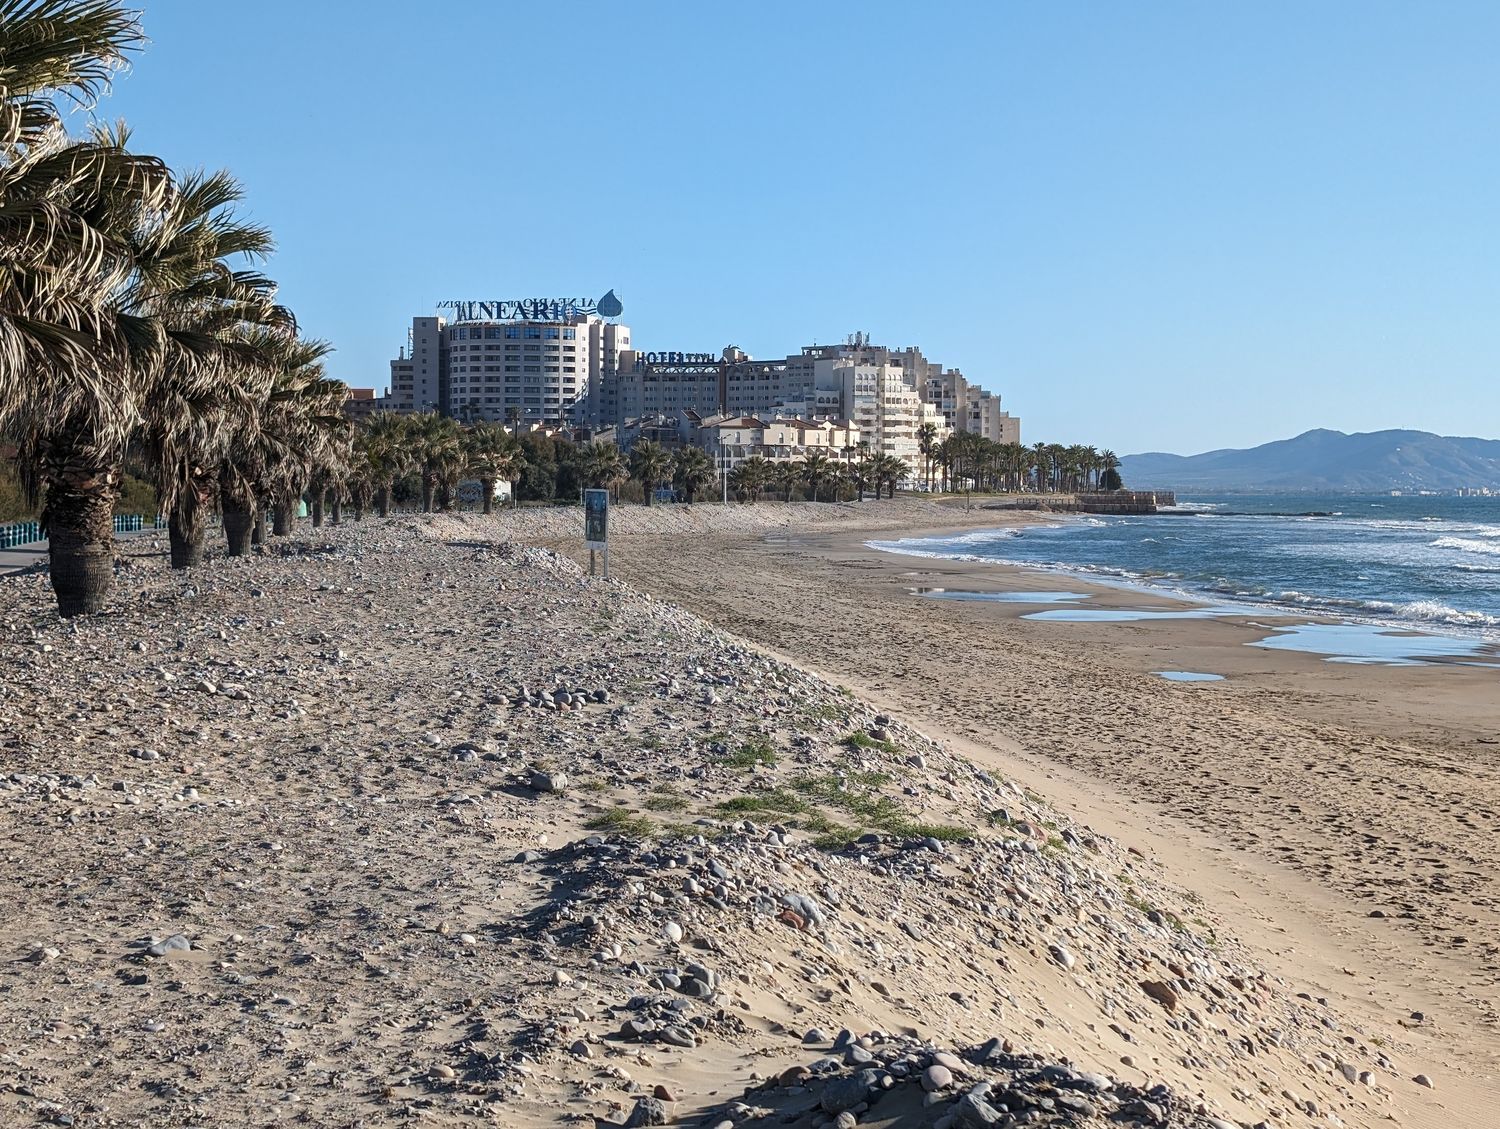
(610, 306)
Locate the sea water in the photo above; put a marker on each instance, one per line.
(1426, 563)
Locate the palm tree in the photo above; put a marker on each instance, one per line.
(650, 465)
(383, 441)
(192, 287)
(492, 456)
(862, 474)
(71, 357)
(816, 468)
(692, 469)
(926, 444)
(274, 450)
(603, 466)
(753, 475)
(787, 475)
(437, 451)
(889, 472)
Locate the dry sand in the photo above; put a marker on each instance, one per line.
(328, 785)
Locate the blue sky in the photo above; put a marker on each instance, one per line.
(1151, 226)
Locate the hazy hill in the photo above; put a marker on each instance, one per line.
(1327, 460)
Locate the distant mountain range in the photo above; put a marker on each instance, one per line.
(1326, 460)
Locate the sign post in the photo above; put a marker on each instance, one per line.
(596, 526)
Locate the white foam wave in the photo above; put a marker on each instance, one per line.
(1468, 545)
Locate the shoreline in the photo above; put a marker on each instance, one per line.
(1319, 609)
(1316, 792)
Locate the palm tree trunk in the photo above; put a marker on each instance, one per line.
(487, 488)
(284, 514)
(428, 484)
(239, 520)
(185, 529)
(79, 517)
(258, 530)
(383, 501)
(317, 509)
(337, 516)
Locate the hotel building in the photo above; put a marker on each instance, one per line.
(539, 361)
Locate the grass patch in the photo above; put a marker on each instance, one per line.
(666, 798)
(751, 754)
(622, 822)
(592, 785)
(776, 801)
(823, 713)
(863, 742)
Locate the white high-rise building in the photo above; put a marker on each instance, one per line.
(538, 360)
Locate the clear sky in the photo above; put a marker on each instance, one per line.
(1149, 226)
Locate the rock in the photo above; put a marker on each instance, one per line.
(1162, 992)
(973, 1112)
(1062, 956)
(544, 781)
(952, 1062)
(678, 1037)
(845, 1120)
(936, 1077)
(442, 1073)
(815, 1035)
(1423, 1080)
(580, 1049)
(204, 686)
(846, 1093)
(647, 1111)
(663, 1093)
(672, 931)
(176, 943)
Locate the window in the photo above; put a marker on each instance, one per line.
(532, 368)
(552, 333)
(533, 333)
(492, 333)
(512, 368)
(569, 334)
(512, 332)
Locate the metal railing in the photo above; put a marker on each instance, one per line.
(18, 533)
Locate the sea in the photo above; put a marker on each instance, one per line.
(1426, 563)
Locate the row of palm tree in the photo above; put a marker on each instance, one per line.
(967, 461)
(134, 321)
(822, 474)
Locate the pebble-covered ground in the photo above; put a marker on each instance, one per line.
(398, 824)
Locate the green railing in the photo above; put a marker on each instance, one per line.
(20, 533)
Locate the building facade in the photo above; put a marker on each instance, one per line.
(570, 363)
(538, 360)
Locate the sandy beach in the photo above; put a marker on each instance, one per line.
(1347, 812)
(410, 820)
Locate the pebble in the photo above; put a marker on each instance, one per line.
(936, 1077)
(1423, 1080)
(672, 931)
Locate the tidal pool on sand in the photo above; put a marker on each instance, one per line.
(1002, 597)
(1129, 615)
(1375, 645)
(1187, 676)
